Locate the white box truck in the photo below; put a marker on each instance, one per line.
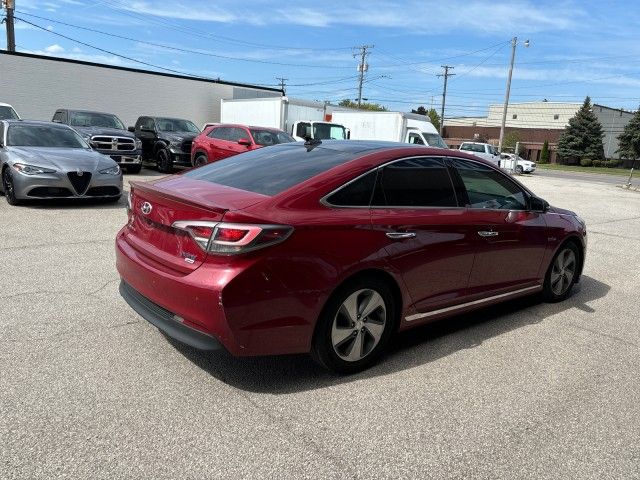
(300, 118)
(389, 126)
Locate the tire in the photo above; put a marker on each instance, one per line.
(164, 161)
(7, 185)
(562, 273)
(134, 168)
(200, 160)
(519, 169)
(344, 344)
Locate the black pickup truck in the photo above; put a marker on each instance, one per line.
(166, 141)
(106, 134)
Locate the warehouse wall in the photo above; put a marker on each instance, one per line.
(37, 86)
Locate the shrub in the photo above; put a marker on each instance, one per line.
(545, 155)
(598, 163)
(613, 162)
(586, 162)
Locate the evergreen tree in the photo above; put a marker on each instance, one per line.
(630, 138)
(582, 139)
(545, 155)
(434, 118)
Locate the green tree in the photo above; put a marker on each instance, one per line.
(630, 138)
(434, 118)
(510, 140)
(545, 155)
(363, 106)
(582, 139)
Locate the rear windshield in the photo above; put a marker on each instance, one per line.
(271, 170)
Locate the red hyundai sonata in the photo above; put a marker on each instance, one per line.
(331, 247)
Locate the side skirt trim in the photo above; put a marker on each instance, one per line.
(432, 313)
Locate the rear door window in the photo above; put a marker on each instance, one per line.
(415, 182)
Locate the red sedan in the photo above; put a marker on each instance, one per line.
(219, 141)
(331, 247)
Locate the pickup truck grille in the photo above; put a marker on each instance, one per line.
(186, 146)
(119, 144)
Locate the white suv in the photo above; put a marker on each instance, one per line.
(482, 150)
(511, 161)
(7, 112)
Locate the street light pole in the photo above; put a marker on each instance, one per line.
(514, 44)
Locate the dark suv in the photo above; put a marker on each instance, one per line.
(166, 141)
(106, 134)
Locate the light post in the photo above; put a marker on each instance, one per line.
(514, 44)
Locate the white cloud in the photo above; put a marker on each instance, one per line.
(55, 48)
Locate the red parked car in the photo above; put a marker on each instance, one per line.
(220, 141)
(331, 247)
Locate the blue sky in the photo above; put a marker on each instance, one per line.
(577, 48)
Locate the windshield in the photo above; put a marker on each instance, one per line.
(25, 135)
(8, 113)
(329, 131)
(434, 140)
(270, 137)
(92, 119)
(176, 125)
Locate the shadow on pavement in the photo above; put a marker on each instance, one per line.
(421, 345)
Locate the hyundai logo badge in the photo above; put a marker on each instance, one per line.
(146, 208)
(79, 172)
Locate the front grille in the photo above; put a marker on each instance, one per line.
(186, 146)
(79, 182)
(103, 192)
(120, 144)
(48, 192)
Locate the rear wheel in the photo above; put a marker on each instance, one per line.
(7, 185)
(562, 273)
(355, 326)
(164, 161)
(134, 168)
(200, 160)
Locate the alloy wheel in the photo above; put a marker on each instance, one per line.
(9, 191)
(358, 325)
(563, 271)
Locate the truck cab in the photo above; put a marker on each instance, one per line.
(318, 130)
(416, 137)
(482, 150)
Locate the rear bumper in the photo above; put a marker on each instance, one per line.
(168, 322)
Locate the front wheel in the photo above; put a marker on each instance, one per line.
(9, 190)
(562, 273)
(200, 160)
(164, 161)
(519, 170)
(355, 326)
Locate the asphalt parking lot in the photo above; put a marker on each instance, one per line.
(524, 390)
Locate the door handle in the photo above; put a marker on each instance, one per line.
(400, 235)
(488, 233)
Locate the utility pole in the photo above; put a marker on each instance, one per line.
(514, 44)
(9, 6)
(363, 67)
(282, 84)
(446, 75)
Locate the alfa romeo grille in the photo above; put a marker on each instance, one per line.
(79, 182)
(120, 144)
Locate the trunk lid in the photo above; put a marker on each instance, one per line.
(172, 199)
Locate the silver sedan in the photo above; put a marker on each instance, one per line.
(44, 160)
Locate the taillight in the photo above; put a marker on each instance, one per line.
(233, 238)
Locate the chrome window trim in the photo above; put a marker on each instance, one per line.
(452, 308)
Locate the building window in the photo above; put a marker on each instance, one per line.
(515, 116)
(556, 116)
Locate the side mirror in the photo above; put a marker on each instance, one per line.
(132, 129)
(537, 204)
(245, 141)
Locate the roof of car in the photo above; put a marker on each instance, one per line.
(5, 105)
(10, 121)
(272, 129)
(85, 111)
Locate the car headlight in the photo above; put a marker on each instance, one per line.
(115, 170)
(31, 169)
(138, 144)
